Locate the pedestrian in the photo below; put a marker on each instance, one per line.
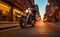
(55, 17)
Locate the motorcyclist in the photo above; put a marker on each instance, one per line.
(29, 14)
(35, 12)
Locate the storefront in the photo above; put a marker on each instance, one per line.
(4, 11)
(16, 14)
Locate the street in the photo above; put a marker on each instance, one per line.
(41, 29)
(14, 14)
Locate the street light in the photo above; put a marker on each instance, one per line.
(48, 3)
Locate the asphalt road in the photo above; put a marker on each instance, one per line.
(41, 29)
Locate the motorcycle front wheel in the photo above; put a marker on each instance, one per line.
(22, 22)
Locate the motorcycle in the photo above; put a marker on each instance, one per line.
(27, 20)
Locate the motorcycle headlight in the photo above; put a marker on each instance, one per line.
(26, 11)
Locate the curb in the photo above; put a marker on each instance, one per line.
(8, 23)
(8, 27)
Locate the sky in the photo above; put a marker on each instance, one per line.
(42, 5)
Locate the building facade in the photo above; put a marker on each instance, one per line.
(54, 8)
(11, 10)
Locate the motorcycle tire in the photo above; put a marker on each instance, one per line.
(22, 22)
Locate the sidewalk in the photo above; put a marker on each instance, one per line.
(8, 22)
(6, 25)
(57, 24)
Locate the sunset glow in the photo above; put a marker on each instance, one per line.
(42, 7)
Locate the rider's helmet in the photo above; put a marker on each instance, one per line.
(35, 7)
